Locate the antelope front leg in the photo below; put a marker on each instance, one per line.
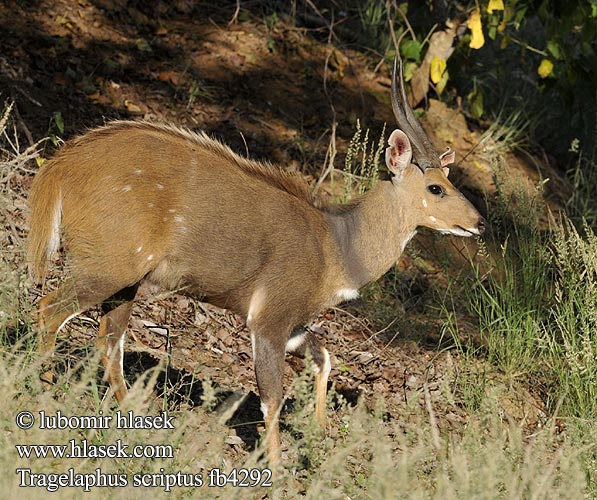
(268, 357)
(110, 341)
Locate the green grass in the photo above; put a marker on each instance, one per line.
(537, 312)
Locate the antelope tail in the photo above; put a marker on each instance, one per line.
(45, 206)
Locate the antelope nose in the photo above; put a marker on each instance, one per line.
(481, 225)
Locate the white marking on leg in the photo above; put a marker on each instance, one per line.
(255, 305)
(347, 294)
(66, 321)
(264, 409)
(296, 341)
(253, 343)
(327, 364)
(121, 359)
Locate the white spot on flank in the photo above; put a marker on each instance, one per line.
(150, 205)
(433, 219)
(150, 257)
(178, 218)
(347, 294)
(425, 203)
(164, 218)
(138, 171)
(139, 248)
(159, 186)
(171, 210)
(126, 189)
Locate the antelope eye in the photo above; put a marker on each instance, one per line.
(435, 189)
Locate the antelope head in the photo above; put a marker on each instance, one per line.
(422, 174)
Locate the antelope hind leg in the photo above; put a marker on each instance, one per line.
(300, 341)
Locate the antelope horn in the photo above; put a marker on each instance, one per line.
(424, 154)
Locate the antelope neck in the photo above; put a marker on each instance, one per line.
(372, 234)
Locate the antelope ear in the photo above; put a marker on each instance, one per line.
(446, 171)
(399, 154)
(447, 158)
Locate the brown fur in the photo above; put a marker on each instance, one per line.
(137, 201)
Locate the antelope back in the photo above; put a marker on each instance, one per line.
(141, 200)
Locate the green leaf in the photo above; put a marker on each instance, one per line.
(59, 122)
(475, 99)
(409, 70)
(554, 49)
(492, 32)
(519, 17)
(143, 45)
(411, 49)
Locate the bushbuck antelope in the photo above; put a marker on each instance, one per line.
(138, 202)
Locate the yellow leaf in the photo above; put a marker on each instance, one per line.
(495, 5)
(441, 85)
(474, 24)
(131, 106)
(438, 66)
(40, 161)
(545, 68)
